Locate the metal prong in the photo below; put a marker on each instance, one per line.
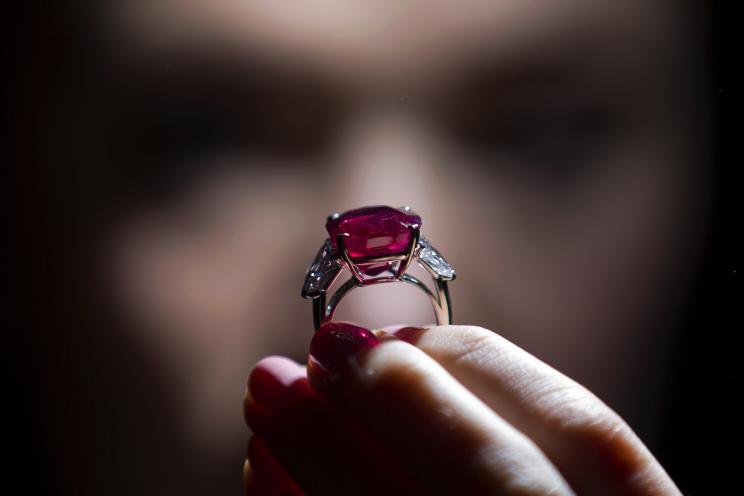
(319, 310)
(403, 266)
(405, 208)
(333, 216)
(341, 243)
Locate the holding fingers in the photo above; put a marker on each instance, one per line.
(458, 410)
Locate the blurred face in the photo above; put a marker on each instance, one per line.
(551, 148)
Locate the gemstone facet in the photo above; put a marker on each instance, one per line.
(431, 259)
(322, 272)
(373, 231)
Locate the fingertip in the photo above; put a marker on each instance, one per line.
(333, 348)
(275, 382)
(281, 369)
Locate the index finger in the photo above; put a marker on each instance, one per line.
(591, 445)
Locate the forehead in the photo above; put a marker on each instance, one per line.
(375, 40)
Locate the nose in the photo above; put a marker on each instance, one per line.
(385, 157)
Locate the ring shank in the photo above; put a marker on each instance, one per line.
(440, 299)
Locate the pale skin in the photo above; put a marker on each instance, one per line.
(462, 409)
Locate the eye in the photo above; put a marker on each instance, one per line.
(168, 136)
(181, 130)
(550, 139)
(534, 141)
(270, 126)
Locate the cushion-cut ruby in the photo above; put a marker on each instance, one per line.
(374, 231)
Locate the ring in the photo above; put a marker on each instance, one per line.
(376, 245)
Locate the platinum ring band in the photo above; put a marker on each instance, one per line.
(440, 299)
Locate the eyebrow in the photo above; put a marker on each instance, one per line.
(579, 60)
(560, 59)
(224, 75)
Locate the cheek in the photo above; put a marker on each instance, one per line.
(182, 287)
(590, 270)
(199, 279)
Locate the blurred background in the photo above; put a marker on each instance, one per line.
(177, 161)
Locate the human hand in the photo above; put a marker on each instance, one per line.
(445, 410)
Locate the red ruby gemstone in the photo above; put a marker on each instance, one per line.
(374, 231)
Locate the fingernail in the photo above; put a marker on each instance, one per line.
(276, 383)
(408, 334)
(333, 348)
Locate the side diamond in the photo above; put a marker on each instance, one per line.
(431, 259)
(322, 272)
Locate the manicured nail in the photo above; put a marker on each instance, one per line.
(276, 383)
(333, 348)
(408, 334)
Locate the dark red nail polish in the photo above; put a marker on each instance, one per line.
(276, 383)
(408, 334)
(333, 346)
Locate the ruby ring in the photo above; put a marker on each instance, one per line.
(376, 245)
